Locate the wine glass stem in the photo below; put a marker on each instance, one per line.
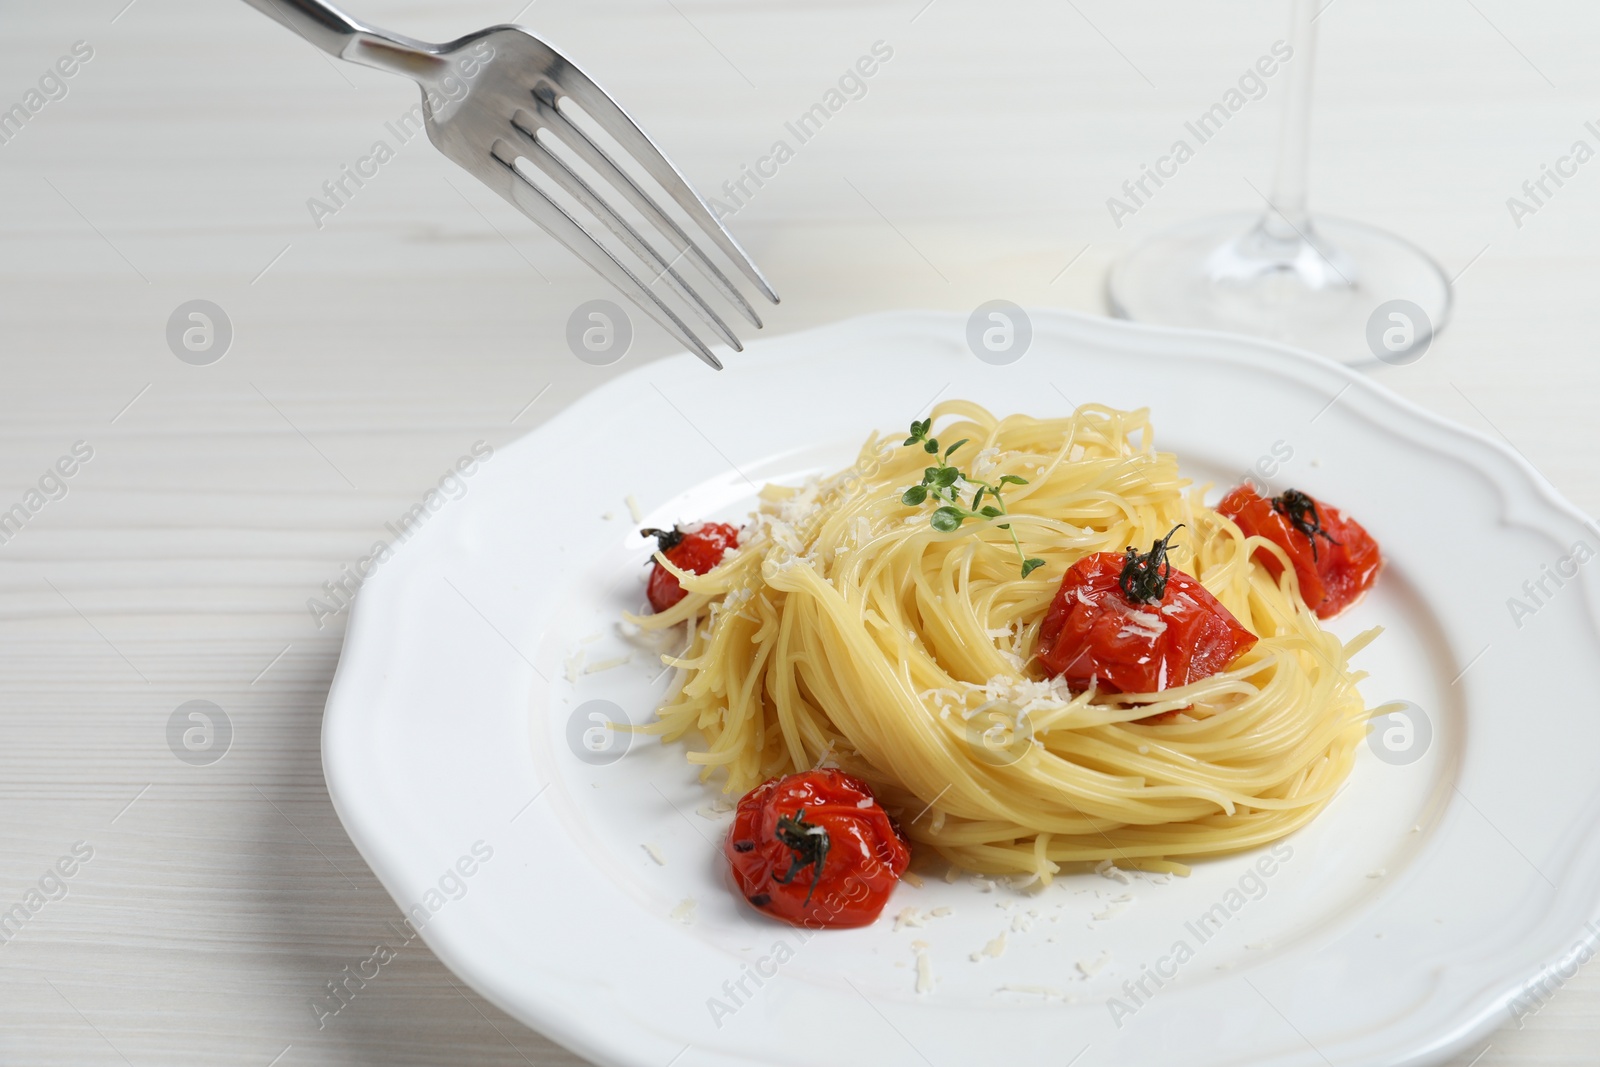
(1287, 218)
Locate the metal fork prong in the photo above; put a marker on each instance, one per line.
(554, 220)
(616, 122)
(557, 171)
(548, 117)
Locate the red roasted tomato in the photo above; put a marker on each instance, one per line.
(696, 550)
(1334, 558)
(1135, 624)
(814, 849)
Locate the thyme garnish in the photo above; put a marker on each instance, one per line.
(1301, 511)
(809, 843)
(939, 482)
(1145, 574)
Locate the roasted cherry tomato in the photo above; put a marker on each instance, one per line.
(815, 849)
(1334, 558)
(1136, 624)
(697, 550)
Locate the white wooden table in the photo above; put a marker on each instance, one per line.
(368, 354)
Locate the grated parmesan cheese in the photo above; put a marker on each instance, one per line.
(1088, 967)
(993, 950)
(1035, 990)
(1106, 869)
(606, 664)
(718, 807)
(924, 966)
(986, 463)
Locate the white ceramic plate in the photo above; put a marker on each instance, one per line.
(1403, 924)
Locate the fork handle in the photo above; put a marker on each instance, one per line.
(343, 37)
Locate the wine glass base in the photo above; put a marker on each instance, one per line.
(1349, 291)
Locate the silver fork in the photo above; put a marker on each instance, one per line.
(514, 83)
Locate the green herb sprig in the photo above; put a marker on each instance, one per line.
(939, 483)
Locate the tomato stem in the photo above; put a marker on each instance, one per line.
(1144, 574)
(809, 843)
(1301, 511)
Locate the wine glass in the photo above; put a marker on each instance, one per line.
(1348, 290)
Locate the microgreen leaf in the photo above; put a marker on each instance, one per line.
(977, 498)
(1031, 565)
(1012, 479)
(991, 512)
(952, 448)
(948, 476)
(947, 519)
(915, 495)
(931, 446)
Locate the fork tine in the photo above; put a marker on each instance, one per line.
(548, 117)
(553, 218)
(616, 122)
(581, 191)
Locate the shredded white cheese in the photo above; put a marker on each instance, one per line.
(1088, 967)
(718, 807)
(1033, 990)
(924, 966)
(994, 949)
(1106, 869)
